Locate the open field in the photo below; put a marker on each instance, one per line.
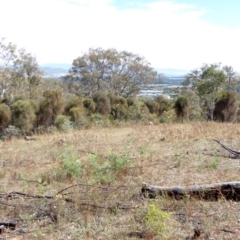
(104, 169)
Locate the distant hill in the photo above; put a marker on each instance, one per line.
(171, 72)
(57, 70)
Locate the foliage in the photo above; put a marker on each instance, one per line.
(165, 104)
(23, 115)
(89, 105)
(102, 103)
(19, 72)
(99, 120)
(181, 107)
(194, 104)
(9, 132)
(156, 220)
(5, 116)
(63, 123)
(75, 114)
(138, 111)
(122, 73)
(70, 165)
(51, 106)
(118, 107)
(207, 82)
(168, 116)
(152, 105)
(74, 102)
(99, 168)
(108, 169)
(226, 107)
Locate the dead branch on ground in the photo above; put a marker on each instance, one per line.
(212, 192)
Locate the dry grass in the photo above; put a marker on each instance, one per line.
(164, 155)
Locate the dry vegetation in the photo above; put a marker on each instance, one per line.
(92, 178)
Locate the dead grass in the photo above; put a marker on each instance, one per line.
(164, 155)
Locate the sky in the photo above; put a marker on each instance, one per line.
(170, 34)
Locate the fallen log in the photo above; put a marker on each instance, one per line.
(10, 225)
(211, 192)
(232, 151)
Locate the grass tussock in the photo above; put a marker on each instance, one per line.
(86, 184)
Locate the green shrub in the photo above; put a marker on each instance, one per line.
(23, 115)
(138, 112)
(89, 105)
(99, 169)
(118, 107)
(5, 116)
(51, 106)
(182, 107)
(165, 104)
(102, 103)
(70, 166)
(152, 106)
(168, 116)
(156, 220)
(76, 113)
(105, 170)
(74, 102)
(99, 120)
(63, 123)
(9, 132)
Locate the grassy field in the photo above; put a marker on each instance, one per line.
(86, 184)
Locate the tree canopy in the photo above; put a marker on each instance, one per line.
(19, 71)
(209, 82)
(121, 73)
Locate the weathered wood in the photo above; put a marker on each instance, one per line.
(212, 192)
(29, 138)
(10, 225)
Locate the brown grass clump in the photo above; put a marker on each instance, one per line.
(86, 184)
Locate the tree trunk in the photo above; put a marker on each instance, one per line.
(212, 192)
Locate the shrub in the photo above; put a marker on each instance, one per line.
(89, 105)
(76, 113)
(165, 104)
(138, 111)
(9, 132)
(118, 107)
(23, 115)
(106, 170)
(74, 102)
(102, 103)
(63, 123)
(181, 107)
(226, 107)
(194, 104)
(152, 105)
(5, 116)
(70, 165)
(156, 220)
(51, 106)
(99, 120)
(168, 116)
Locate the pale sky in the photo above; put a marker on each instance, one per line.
(179, 34)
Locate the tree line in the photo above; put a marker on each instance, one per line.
(102, 89)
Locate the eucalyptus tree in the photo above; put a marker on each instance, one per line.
(19, 71)
(121, 73)
(207, 82)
